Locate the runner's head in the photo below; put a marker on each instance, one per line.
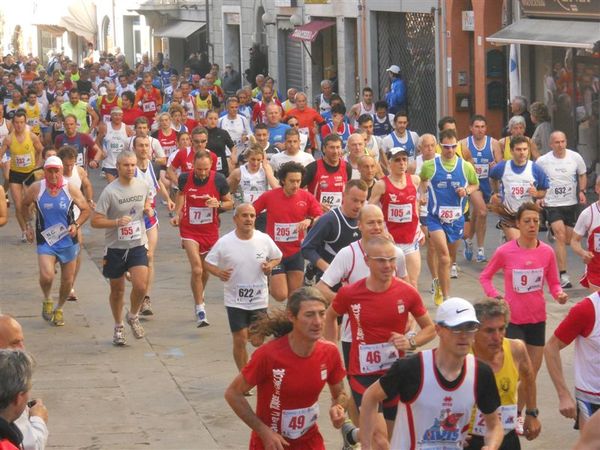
(11, 333)
(558, 142)
(332, 149)
(354, 198)
(16, 369)
(184, 140)
(400, 122)
(261, 134)
(164, 121)
(53, 172)
(519, 149)
(19, 120)
(478, 126)
(380, 257)
(356, 145)
(141, 147)
(300, 100)
(255, 156)
(212, 119)
(202, 164)
(427, 143)
(493, 316)
(528, 220)
(292, 141)
(365, 123)
(370, 222)
(68, 156)
(141, 126)
(306, 311)
(456, 325)
(367, 168)
(516, 126)
(233, 104)
(290, 177)
(116, 116)
(74, 96)
(244, 217)
(398, 159)
(273, 112)
(381, 108)
(199, 138)
(447, 123)
(449, 143)
(128, 99)
(367, 94)
(126, 163)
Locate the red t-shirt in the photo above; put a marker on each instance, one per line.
(184, 160)
(83, 143)
(149, 102)
(373, 317)
(286, 382)
(259, 112)
(284, 213)
(307, 120)
(129, 115)
(580, 321)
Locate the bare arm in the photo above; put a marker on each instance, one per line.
(234, 180)
(3, 208)
(582, 184)
(532, 426)
(494, 434)
(37, 145)
(271, 179)
(499, 150)
(325, 290)
(5, 145)
(579, 250)
(368, 413)
(94, 116)
(377, 192)
(566, 404)
(86, 186)
(82, 204)
(179, 201)
(331, 328)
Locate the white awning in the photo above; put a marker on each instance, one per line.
(553, 33)
(180, 29)
(76, 16)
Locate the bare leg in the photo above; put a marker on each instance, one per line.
(278, 287)
(117, 295)
(413, 267)
(139, 285)
(46, 264)
(16, 191)
(152, 242)
(67, 275)
(294, 280)
(240, 353)
(192, 250)
(439, 241)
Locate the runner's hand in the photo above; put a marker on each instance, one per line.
(225, 275)
(337, 416)
(123, 221)
(562, 298)
(266, 268)
(531, 427)
(587, 257)
(532, 190)
(273, 441)
(72, 230)
(303, 226)
(567, 407)
(170, 205)
(29, 234)
(175, 220)
(399, 341)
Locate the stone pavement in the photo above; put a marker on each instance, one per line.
(166, 390)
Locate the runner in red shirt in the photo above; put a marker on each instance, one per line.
(168, 139)
(397, 194)
(183, 161)
(308, 118)
(259, 112)
(106, 103)
(377, 308)
(327, 177)
(290, 373)
(148, 98)
(130, 109)
(201, 193)
(290, 211)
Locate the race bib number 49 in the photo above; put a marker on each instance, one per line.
(296, 422)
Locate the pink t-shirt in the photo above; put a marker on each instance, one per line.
(525, 270)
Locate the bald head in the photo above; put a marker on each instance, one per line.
(11, 333)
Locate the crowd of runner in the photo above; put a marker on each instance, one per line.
(332, 205)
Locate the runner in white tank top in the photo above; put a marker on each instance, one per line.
(114, 142)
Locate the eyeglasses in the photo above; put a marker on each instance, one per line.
(203, 141)
(467, 328)
(449, 145)
(293, 124)
(382, 259)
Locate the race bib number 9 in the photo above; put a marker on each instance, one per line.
(449, 214)
(400, 213)
(296, 422)
(331, 199)
(527, 280)
(376, 357)
(200, 216)
(286, 232)
(130, 232)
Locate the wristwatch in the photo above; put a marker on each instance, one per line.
(413, 342)
(532, 412)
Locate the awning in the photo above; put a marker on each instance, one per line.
(76, 16)
(553, 33)
(180, 29)
(309, 31)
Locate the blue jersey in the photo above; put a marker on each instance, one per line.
(444, 202)
(344, 135)
(481, 161)
(409, 145)
(54, 215)
(382, 128)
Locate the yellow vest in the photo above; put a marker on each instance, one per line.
(33, 117)
(22, 154)
(204, 106)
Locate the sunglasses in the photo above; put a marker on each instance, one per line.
(382, 259)
(198, 141)
(449, 145)
(293, 124)
(467, 328)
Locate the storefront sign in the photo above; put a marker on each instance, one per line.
(232, 18)
(579, 9)
(468, 21)
(286, 3)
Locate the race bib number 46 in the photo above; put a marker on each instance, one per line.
(286, 232)
(376, 357)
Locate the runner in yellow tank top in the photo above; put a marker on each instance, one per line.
(33, 111)
(509, 360)
(516, 127)
(25, 154)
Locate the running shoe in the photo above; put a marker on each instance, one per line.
(7, 201)
(47, 309)
(519, 425)
(309, 275)
(454, 271)
(72, 296)
(23, 237)
(565, 281)
(119, 336)
(468, 252)
(438, 297)
(250, 393)
(432, 289)
(201, 321)
(146, 309)
(136, 326)
(481, 255)
(347, 431)
(57, 318)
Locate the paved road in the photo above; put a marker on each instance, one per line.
(166, 390)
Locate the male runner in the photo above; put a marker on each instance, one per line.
(292, 152)
(83, 142)
(401, 137)
(588, 224)
(114, 136)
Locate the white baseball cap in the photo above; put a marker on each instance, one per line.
(394, 69)
(455, 311)
(53, 161)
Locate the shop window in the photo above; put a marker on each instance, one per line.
(496, 95)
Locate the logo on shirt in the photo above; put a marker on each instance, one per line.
(393, 198)
(323, 372)
(275, 404)
(401, 308)
(445, 427)
(301, 204)
(259, 255)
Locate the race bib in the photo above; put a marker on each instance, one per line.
(246, 294)
(527, 280)
(106, 118)
(376, 357)
(331, 199)
(482, 170)
(148, 106)
(400, 213)
(558, 191)
(55, 233)
(79, 160)
(296, 422)
(130, 232)
(251, 196)
(286, 232)
(508, 418)
(449, 214)
(23, 160)
(219, 163)
(200, 216)
(597, 242)
(303, 130)
(519, 190)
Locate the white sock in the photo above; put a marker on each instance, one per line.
(200, 307)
